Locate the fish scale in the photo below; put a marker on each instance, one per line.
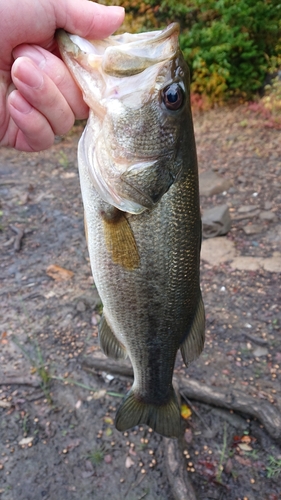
(141, 199)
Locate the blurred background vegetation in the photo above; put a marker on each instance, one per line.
(232, 47)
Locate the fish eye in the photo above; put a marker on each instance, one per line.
(173, 97)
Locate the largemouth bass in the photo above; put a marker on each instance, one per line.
(138, 173)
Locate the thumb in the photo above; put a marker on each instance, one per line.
(88, 19)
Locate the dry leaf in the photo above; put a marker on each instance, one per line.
(188, 435)
(5, 404)
(99, 394)
(26, 441)
(244, 447)
(185, 412)
(243, 461)
(129, 462)
(59, 273)
(4, 338)
(108, 420)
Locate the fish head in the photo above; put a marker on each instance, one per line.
(137, 89)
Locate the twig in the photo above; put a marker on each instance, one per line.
(20, 380)
(119, 368)
(19, 236)
(84, 386)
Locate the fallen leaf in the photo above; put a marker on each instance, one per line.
(244, 447)
(4, 338)
(26, 441)
(243, 461)
(5, 404)
(246, 439)
(108, 420)
(228, 466)
(73, 444)
(185, 412)
(58, 273)
(129, 462)
(108, 431)
(188, 435)
(99, 394)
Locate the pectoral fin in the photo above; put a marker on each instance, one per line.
(193, 345)
(119, 239)
(145, 183)
(109, 343)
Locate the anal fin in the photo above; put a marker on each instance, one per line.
(193, 345)
(110, 345)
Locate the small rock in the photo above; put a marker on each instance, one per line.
(253, 229)
(217, 250)
(273, 264)
(242, 179)
(81, 307)
(108, 459)
(86, 473)
(260, 351)
(268, 205)
(246, 263)
(216, 221)
(266, 215)
(247, 208)
(210, 183)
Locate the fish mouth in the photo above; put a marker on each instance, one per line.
(127, 54)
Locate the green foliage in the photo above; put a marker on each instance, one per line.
(230, 45)
(274, 467)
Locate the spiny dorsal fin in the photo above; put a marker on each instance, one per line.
(120, 240)
(193, 345)
(109, 343)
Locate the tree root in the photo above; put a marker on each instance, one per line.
(181, 487)
(232, 399)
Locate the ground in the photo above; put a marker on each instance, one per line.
(57, 438)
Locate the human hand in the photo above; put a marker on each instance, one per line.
(38, 97)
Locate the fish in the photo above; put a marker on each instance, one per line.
(139, 181)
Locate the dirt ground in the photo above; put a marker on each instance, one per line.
(57, 438)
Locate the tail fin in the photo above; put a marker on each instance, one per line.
(164, 419)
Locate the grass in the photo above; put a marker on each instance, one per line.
(39, 367)
(96, 456)
(63, 159)
(273, 468)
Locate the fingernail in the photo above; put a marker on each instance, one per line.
(117, 10)
(26, 71)
(19, 103)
